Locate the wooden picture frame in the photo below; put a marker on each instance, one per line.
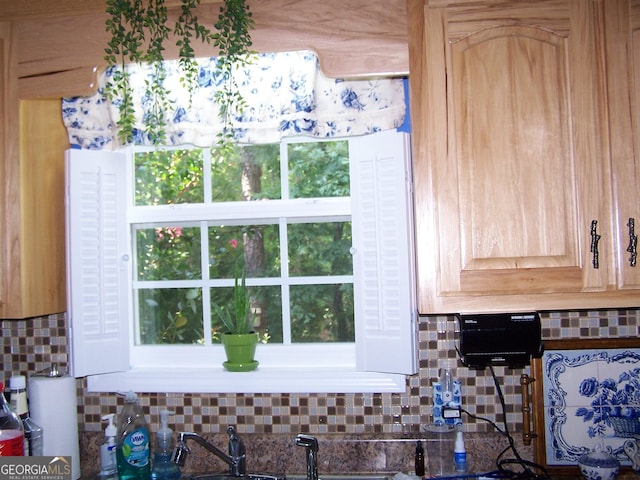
(540, 440)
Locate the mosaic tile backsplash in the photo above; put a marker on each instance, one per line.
(33, 344)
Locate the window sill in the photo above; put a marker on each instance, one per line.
(264, 379)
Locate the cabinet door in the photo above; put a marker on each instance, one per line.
(623, 69)
(32, 145)
(511, 170)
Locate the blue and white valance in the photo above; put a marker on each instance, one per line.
(286, 94)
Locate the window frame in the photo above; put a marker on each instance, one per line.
(358, 367)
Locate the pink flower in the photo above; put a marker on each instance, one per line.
(234, 243)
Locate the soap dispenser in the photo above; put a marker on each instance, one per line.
(108, 462)
(133, 453)
(163, 467)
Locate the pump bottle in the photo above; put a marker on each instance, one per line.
(163, 467)
(108, 462)
(133, 454)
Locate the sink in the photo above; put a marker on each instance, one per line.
(228, 476)
(346, 476)
(257, 476)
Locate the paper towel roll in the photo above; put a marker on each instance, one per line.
(53, 406)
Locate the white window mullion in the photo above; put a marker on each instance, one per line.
(284, 171)
(286, 293)
(206, 291)
(206, 171)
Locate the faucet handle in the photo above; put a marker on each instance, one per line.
(307, 441)
(237, 452)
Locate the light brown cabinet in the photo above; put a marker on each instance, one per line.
(32, 253)
(515, 177)
(622, 29)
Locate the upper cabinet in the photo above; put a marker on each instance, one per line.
(622, 29)
(518, 190)
(32, 145)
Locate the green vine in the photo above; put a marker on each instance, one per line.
(139, 30)
(187, 28)
(234, 41)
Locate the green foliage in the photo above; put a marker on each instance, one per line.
(170, 316)
(165, 177)
(186, 29)
(125, 22)
(233, 39)
(139, 30)
(239, 319)
(319, 169)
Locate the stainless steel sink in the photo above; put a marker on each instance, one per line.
(257, 476)
(227, 476)
(346, 476)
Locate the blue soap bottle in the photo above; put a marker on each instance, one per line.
(132, 450)
(163, 467)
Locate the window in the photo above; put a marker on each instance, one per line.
(293, 248)
(322, 228)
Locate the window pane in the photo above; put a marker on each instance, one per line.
(245, 173)
(168, 253)
(255, 247)
(319, 169)
(320, 249)
(322, 313)
(165, 177)
(170, 316)
(266, 303)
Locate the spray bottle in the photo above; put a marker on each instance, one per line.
(163, 467)
(108, 463)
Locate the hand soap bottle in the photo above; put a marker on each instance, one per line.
(163, 467)
(132, 448)
(108, 463)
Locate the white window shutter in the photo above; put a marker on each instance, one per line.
(383, 254)
(97, 262)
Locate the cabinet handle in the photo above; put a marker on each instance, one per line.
(527, 434)
(595, 238)
(633, 242)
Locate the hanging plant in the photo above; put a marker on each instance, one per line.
(234, 42)
(139, 30)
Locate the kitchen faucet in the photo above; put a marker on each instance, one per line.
(236, 459)
(311, 445)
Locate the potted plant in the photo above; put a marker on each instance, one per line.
(239, 338)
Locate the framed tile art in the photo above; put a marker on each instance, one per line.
(586, 395)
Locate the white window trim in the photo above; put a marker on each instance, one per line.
(386, 321)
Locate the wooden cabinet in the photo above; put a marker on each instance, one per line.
(622, 30)
(513, 171)
(32, 253)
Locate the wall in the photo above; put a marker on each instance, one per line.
(271, 419)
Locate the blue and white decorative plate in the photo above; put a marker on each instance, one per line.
(591, 400)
